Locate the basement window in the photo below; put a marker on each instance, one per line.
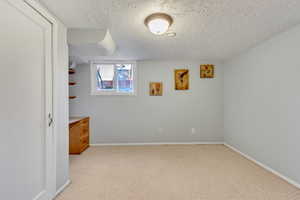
(113, 78)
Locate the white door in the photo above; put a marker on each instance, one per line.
(26, 162)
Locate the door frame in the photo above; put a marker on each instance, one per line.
(51, 176)
(54, 23)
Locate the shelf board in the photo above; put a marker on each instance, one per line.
(71, 71)
(72, 97)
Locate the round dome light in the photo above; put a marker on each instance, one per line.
(158, 23)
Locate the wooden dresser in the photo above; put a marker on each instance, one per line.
(79, 138)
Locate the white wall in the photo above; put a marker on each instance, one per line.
(262, 103)
(170, 118)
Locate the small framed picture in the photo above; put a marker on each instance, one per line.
(207, 71)
(156, 89)
(181, 79)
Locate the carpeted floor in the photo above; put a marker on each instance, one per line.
(179, 172)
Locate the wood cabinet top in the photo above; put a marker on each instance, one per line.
(76, 119)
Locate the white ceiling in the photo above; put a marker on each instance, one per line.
(206, 29)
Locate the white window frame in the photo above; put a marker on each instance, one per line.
(93, 69)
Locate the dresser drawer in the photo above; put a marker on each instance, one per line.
(84, 142)
(85, 126)
(85, 130)
(85, 122)
(84, 134)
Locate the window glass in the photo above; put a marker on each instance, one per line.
(125, 78)
(105, 77)
(114, 78)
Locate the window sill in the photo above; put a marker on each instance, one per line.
(108, 93)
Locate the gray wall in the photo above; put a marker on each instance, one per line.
(146, 119)
(262, 103)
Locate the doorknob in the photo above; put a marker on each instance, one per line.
(50, 119)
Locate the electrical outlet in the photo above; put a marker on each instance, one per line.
(160, 130)
(193, 131)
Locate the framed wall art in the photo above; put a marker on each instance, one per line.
(156, 89)
(181, 79)
(207, 71)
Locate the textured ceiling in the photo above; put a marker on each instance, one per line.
(206, 29)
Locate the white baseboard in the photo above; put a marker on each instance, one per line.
(265, 166)
(153, 143)
(40, 195)
(62, 188)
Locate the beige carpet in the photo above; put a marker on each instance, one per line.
(179, 172)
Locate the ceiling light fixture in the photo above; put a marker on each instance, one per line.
(158, 23)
